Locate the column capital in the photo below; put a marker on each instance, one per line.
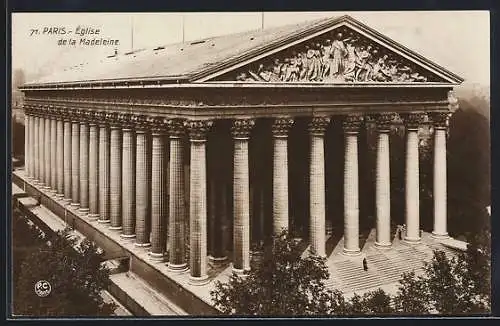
(126, 120)
(318, 125)
(440, 119)
(352, 122)
(281, 126)
(158, 125)
(241, 128)
(412, 120)
(140, 122)
(384, 121)
(176, 128)
(100, 118)
(198, 129)
(113, 119)
(93, 117)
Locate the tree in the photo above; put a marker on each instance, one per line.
(450, 285)
(283, 283)
(76, 277)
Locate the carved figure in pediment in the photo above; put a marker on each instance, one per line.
(326, 59)
(364, 57)
(338, 54)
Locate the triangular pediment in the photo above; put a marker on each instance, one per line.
(344, 52)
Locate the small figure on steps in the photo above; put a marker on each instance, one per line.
(400, 233)
(365, 264)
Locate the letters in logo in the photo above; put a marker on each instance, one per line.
(42, 288)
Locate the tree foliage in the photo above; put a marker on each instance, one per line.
(76, 277)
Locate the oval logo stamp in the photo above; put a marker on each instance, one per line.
(42, 288)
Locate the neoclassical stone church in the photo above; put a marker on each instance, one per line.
(188, 157)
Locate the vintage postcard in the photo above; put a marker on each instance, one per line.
(315, 164)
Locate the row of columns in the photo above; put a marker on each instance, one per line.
(112, 167)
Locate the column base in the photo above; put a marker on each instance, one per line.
(156, 257)
(217, 261)
(142, 245)
(178, 268)
(83, 211)
(75, 205)
(383, 245)
(198, 280)
(104, 221)
(60, 196)
(411, 241)
(127, 236)
(93, 217)
(351, 252)
(440, 235)
(53, 191)
(66, 201)
(44, 186)
(116, 228)
(240, 272)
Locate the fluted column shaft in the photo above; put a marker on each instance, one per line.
(26, 143)
(351, 186)
(143, 187)
(38, 149)
(53, 153)
(158, 192)
(41, 149)
(440, 175)
(67, 159)
(32, 148)
(115, 174)
(47, 156)
(280, 174)
(198, 202)
(84, 167)
(60, 157)
(177, 210)
(128, 181)
(383, 182)
(93, 170)
(317, 127)
(412, 179)
(104, 171)
(75, 163)
(241, 195)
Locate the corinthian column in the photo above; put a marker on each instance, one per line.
(241, 196)
(158, 189)
(41, 147)
(53, 152)
(33, 158)
(383, 186)
(351, 126)
(36, 145)
(27, 142)
(142, 183)
(46, 147)
(93, 167)
(128, 177)
(440, 179)
(84, 164)
(280, 129)
(198, 201)
(317, 128)
(67, 157)
(60, 154)
(115, 171)
(177, 210)
(104, 158)
(412, 122)
(75, 160)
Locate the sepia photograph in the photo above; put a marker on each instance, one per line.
(264, 164)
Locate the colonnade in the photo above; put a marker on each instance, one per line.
(112, 167)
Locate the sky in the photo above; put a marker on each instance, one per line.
(456, 40)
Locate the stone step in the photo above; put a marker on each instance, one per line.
(140, 298)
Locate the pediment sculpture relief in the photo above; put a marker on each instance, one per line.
(342, 55)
